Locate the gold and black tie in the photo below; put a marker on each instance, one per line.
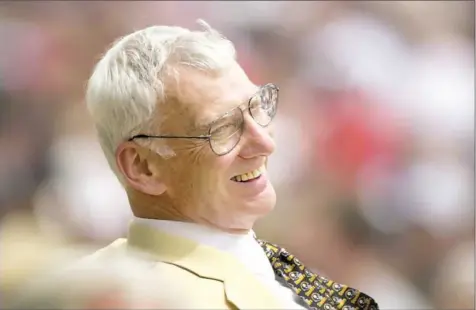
(316, 291)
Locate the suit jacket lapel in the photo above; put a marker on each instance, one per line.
(241, 287)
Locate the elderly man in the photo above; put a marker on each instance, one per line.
(187, 134)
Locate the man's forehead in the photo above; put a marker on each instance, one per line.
(223, 104)
(208, 97)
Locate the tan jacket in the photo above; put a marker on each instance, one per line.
(206, 278)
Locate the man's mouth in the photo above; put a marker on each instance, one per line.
(249, 176)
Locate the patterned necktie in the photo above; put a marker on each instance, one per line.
(317, 291)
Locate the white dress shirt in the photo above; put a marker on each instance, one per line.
(244, 247)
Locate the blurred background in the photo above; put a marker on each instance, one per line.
(374, 168)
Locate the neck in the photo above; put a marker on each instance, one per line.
(229, 230)
(158, 210)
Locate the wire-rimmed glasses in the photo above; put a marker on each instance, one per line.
(225, 132)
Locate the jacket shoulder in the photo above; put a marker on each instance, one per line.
(117, 248)
(191, 290)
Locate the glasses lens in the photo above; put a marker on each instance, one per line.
(226, 132)
(264, 105)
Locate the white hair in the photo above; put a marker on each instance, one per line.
(130, 82)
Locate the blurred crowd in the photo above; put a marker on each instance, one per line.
(374, 166)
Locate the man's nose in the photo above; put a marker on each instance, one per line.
(257, 140)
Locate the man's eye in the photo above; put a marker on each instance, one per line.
(224, 131)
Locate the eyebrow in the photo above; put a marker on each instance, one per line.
(200, 128)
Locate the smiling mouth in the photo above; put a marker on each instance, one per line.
(249, 176)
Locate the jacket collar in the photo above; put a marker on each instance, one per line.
(241, 287)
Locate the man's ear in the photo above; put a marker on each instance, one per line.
(139, 169)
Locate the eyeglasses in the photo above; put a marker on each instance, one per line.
(226, 131)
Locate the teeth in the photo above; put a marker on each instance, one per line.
(249, 175)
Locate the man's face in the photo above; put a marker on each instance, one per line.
(201, 184)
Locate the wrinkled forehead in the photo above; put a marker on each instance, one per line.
(203, 97)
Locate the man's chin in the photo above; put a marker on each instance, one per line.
(263, 203)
